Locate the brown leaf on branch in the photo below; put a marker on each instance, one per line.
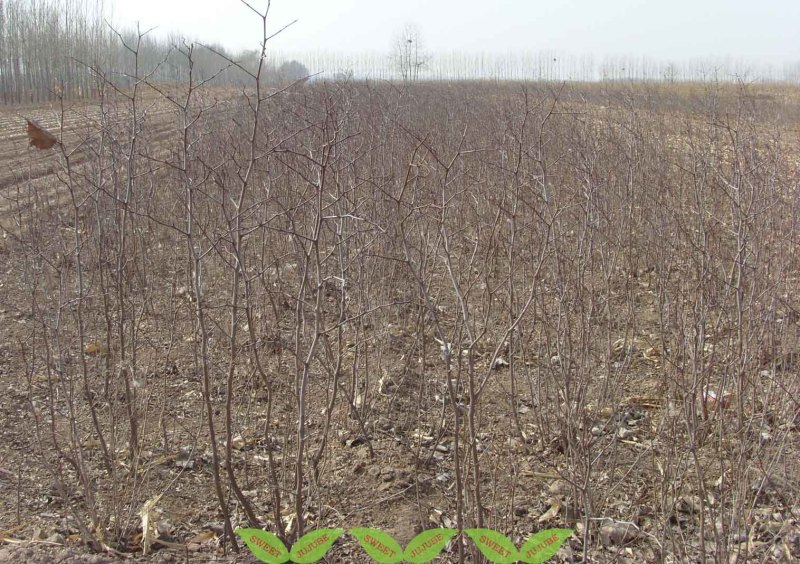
(39, 137)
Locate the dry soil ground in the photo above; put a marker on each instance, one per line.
(407, 485)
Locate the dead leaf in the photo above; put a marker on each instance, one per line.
(200, 538)
(163, 459)
(652, 354)
(500, 362)
(710, 400)
(91, 444)
(40, 137)
(551, 513)
(618, 533)
(642, 401)
(147, 531)
(689, 504)
(172, 545)
(94, 349)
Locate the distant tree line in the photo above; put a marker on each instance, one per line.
(52, 48)
(546, 65)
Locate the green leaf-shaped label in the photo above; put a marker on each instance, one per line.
(378, 545)
(427, 545)
(543, 545)
(494, 545)
(264, 545)
(313, 546)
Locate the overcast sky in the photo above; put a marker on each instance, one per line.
(766, 31)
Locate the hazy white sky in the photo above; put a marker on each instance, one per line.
(759, 30)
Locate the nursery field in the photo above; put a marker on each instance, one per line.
(512, 306)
